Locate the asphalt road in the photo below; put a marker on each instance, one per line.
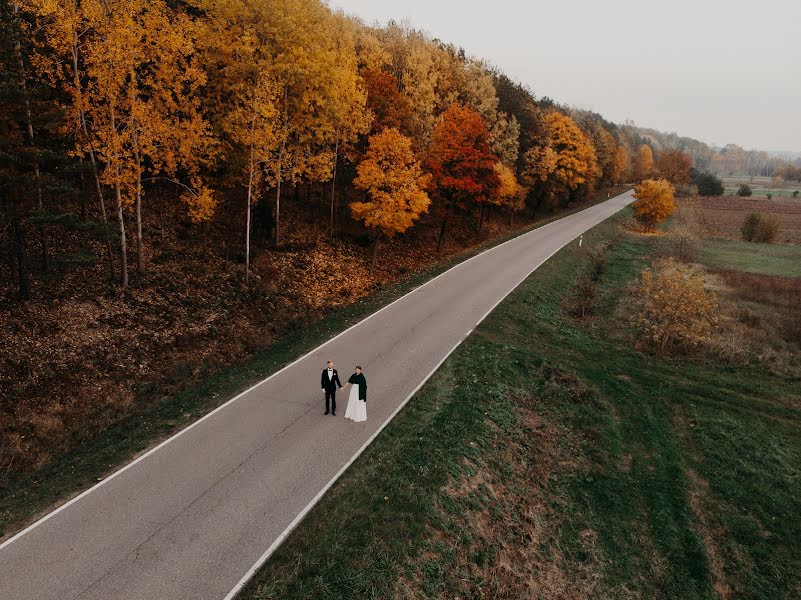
(191, 518)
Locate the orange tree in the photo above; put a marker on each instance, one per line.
(655, 202)
(674, 165)
(643, 164)
(461, 163)
(394, 181)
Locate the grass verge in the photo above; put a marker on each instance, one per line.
(549, 459)
(766, 259)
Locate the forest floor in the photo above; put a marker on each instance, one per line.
(88, 379)
(550, 458)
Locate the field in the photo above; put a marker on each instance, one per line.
(722, 216)
(549, 458)
(761, 186)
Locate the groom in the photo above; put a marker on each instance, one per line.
(329, 382)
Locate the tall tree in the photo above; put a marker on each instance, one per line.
(570, 164)
(394, 181)
(674, 166)
(621, 165)
(643, 164)
(510, 194)
(462, 165)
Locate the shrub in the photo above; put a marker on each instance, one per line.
(671, 308)
(707, 184)
(683, 244)
(744, 190)
(655, 202)
(795, 194)
(582, 303)
(770, 196)
(760, 228)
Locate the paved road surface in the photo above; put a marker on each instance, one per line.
(191, 518)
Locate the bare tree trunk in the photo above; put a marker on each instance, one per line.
(31, 140)
(120, 216)
(480, 217)
(334, 187)
(123, 241)
(98, 187)
(138, 204)
(251, 171)
(277, 236)
(279, 171)
(375, 252)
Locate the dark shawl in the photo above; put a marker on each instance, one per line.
(362, 383)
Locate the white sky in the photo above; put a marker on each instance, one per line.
(722, 71)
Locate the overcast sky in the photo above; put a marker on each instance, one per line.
(722, 71)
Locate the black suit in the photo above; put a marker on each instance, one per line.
(330, 387)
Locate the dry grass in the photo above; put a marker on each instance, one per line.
(723, 216)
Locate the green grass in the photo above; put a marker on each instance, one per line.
(25, 497)
(766, 259)
(662, 479)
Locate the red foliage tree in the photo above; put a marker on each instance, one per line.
(461, 163)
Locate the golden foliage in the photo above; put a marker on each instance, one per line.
(394, 180)
(621, 165)
(510, 193)
(655, 202)
(671, 308)
(643, 163)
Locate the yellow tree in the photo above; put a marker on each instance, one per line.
(311, 58)
(643, 163)
(138, 110)
(510, 194)
(621, 165)
(394, 181)
(242, 97)
(655, 202)
(65, 25)
(567, 163)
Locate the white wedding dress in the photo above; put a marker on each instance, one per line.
(356, 410)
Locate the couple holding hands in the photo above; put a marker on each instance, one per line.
(357, 401)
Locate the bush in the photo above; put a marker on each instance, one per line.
(770, 196)
(795, 194)
(707, 184)
(683, 244)
(760, 228)
(744, 190)
(671, 308)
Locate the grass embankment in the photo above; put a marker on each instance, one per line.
(549, 459)
(26, 496)
(766, 259)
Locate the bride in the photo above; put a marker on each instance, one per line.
(357, 401)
